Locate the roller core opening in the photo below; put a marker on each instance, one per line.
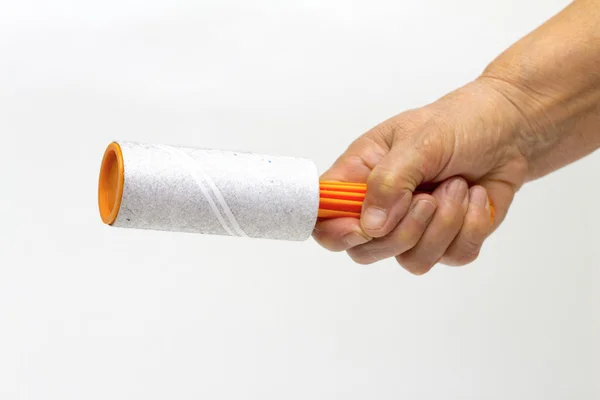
(110, 185)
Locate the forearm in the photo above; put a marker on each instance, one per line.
(551, 77)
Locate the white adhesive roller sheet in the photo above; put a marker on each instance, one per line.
(182, 189)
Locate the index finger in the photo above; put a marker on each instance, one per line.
(357, 162)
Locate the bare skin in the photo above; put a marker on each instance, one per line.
(535, 109)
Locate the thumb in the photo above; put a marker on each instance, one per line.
(391, 184)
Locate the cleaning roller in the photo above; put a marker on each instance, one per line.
(214, 192)
(218, 192)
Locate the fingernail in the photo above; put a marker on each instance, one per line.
(479, 197)
(423, 210)
(353, 239)
(457, 189)
(374, 218)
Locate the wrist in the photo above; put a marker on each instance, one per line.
(552, 81)
(534, 128)
(556, 123)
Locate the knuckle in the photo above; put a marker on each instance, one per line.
(353, 160)
(476, 226)
(464, 258)
(423, 268)
(466, 252)
(328, 242)
(452, 212)
(400, 128)
(448, 216)
(415, 267)
(361, 257)
(432, 143)
(470, 244)
(402, 236)
(428, 143)
(383, 133)
(359, 163)
(383, 181)
(406, 238)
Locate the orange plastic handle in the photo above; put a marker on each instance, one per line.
(344, 199)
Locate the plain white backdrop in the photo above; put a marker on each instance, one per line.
(90, 312)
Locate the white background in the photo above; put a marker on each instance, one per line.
(90, 312)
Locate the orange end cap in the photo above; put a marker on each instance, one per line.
(110, 183)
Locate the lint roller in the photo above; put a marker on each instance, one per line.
(218, 192)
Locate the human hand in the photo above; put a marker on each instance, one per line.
(467, 144)
(535, 109)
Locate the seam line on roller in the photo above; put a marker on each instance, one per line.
(194, 168)
(203, 188)
(234, 223)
